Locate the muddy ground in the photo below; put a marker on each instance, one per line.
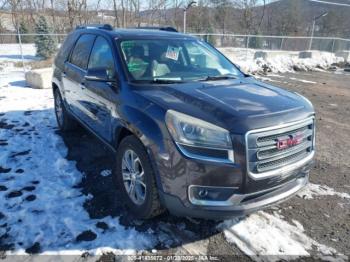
(324, 218)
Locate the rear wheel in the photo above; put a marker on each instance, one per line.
(64, 120)
(134, 176)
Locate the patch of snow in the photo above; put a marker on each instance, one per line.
(262, 78)
(12, 52)
(11, 76)
(56, 216)
(302, 80)
(275, 75)
(280, 63)
(312, 190)
(41, 203)
(106, 172)
(267, 237)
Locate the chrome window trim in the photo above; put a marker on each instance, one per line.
(287, 168)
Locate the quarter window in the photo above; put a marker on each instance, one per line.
(81, 51)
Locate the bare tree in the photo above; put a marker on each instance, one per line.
(252, 15)
(116, 21)
(222, 12)
(14, 7)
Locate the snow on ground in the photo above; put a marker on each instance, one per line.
(268, 237)
(12, 77)
(106, 172)
(38, 199)
(312, 190)
(302, 80)
(12, 52)
(288, 62)
(40, 208)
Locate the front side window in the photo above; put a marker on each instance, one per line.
(102, 57)
(81, 51)
(174, 60)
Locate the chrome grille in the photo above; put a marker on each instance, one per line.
(265, 156)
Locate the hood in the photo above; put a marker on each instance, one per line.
(237, 105)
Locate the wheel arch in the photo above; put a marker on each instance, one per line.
(147, 131)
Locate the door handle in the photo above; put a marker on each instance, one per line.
(82, 85)
(64, 74)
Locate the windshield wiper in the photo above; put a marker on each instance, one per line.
(219, 77)
(159, 81)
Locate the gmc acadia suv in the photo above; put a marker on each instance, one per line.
(190, 132)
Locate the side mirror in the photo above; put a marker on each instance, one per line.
(98, 74)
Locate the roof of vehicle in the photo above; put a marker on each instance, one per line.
(140, 33)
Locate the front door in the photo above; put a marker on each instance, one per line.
(101, 96)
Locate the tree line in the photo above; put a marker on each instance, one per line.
(285, 17)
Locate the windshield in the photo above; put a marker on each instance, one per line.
(175, 60)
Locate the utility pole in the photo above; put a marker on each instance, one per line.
(313, 27)
(185, 13)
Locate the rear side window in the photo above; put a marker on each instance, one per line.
(81, 51)
(65, 49)
(102, 56)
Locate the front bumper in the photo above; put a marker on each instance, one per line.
(242, 204)
(177, 175)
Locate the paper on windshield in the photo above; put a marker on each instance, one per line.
(172, 52)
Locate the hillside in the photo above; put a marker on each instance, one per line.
(283, 17)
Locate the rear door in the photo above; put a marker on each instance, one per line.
(74, 73)
(101, 97)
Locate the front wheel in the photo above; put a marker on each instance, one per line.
(134, 176)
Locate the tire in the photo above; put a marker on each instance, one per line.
(149, 205)
(64, 121)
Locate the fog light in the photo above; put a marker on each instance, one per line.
(210, 193)
(202, 193)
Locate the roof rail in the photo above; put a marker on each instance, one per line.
(162, 28)
(95, 26)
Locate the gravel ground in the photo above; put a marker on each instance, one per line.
(325, 219)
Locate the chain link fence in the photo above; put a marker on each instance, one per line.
(20, 48)
(283, 43)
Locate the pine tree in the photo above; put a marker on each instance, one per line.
(209, 37)
(45, 44)
(23, 29)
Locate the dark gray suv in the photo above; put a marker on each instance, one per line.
(190, 132)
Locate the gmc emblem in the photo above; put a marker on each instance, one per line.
(293, 140)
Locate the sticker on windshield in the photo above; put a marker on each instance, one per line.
(173, 53)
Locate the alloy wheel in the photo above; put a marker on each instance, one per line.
(134, 177)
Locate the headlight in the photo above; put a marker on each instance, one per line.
(190, 132)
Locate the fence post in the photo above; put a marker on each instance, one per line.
(333, 45)
(21, 50)
(282, 43)
(246, 52)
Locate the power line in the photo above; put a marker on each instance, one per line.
(329, 3)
